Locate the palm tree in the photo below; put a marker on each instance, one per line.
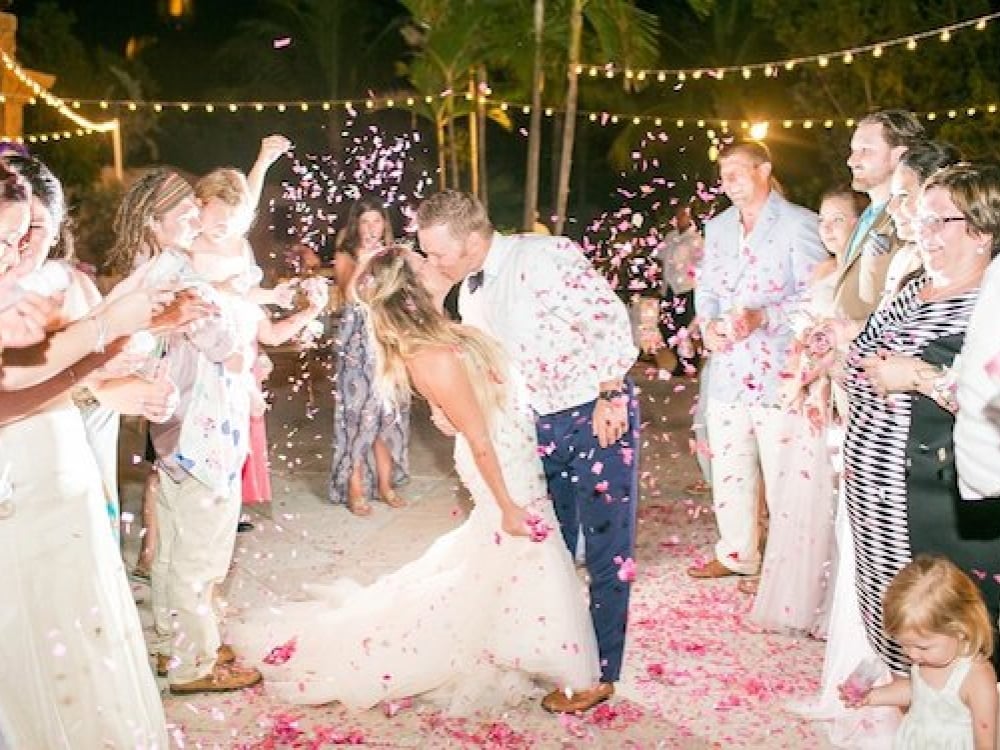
(451, 40)
(605, 29)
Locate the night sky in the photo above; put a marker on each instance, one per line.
(179, 64)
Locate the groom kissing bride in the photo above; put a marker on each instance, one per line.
(539, 369)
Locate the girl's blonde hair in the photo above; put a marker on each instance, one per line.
(931, 595)
(225, 183)
(230, 187)
(403, 320)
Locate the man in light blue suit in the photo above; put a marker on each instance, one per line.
(758, 258)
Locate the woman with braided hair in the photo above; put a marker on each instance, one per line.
(200, 448)
(151, 203)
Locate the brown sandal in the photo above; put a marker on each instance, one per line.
(359, 506)
(393, 500)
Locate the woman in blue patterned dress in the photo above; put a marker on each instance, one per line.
(370, 438)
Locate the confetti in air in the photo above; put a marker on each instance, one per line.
(313, 208)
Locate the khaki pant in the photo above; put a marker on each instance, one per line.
(749, 445)
(197, 530)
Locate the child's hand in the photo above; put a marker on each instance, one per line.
(854, 694)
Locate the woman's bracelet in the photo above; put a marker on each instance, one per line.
(941, 384)
(945, 389)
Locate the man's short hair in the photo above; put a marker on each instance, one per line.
(900, 127)
(756, 151)
(462, 213)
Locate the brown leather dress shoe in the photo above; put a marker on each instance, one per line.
(558, 702)
(219, 680)
(162, 665)
(225, 655)
(712, 569)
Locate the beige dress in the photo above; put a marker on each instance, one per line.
(800, 539)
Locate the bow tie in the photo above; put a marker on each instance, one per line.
(475, 281)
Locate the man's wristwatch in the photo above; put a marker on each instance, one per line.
(611, 395)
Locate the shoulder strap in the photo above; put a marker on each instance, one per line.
(958, 674)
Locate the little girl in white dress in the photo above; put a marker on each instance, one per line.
(937, 615)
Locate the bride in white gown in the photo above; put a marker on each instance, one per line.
(486, 612)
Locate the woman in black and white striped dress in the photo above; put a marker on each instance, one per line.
(902, 492)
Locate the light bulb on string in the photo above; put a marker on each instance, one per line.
(758, 130)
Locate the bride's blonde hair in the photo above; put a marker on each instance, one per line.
(403, 320)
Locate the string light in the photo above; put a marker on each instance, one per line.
(305, 105)
(53, 101)
(55, 135)
(724, 124)
(86, 127)
(768, 69)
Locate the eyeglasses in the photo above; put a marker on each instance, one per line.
(935, 223)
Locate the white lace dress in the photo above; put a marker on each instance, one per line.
(473, 624)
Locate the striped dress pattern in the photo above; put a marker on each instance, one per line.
(875, 451)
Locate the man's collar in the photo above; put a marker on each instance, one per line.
(494, 254)
(768, 207)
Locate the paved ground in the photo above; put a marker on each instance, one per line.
(697, 675)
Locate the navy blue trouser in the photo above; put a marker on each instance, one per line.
(597, 490)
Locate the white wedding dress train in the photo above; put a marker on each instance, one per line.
(473, 624)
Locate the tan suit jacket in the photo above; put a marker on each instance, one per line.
(859, 287)
(861, 282)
